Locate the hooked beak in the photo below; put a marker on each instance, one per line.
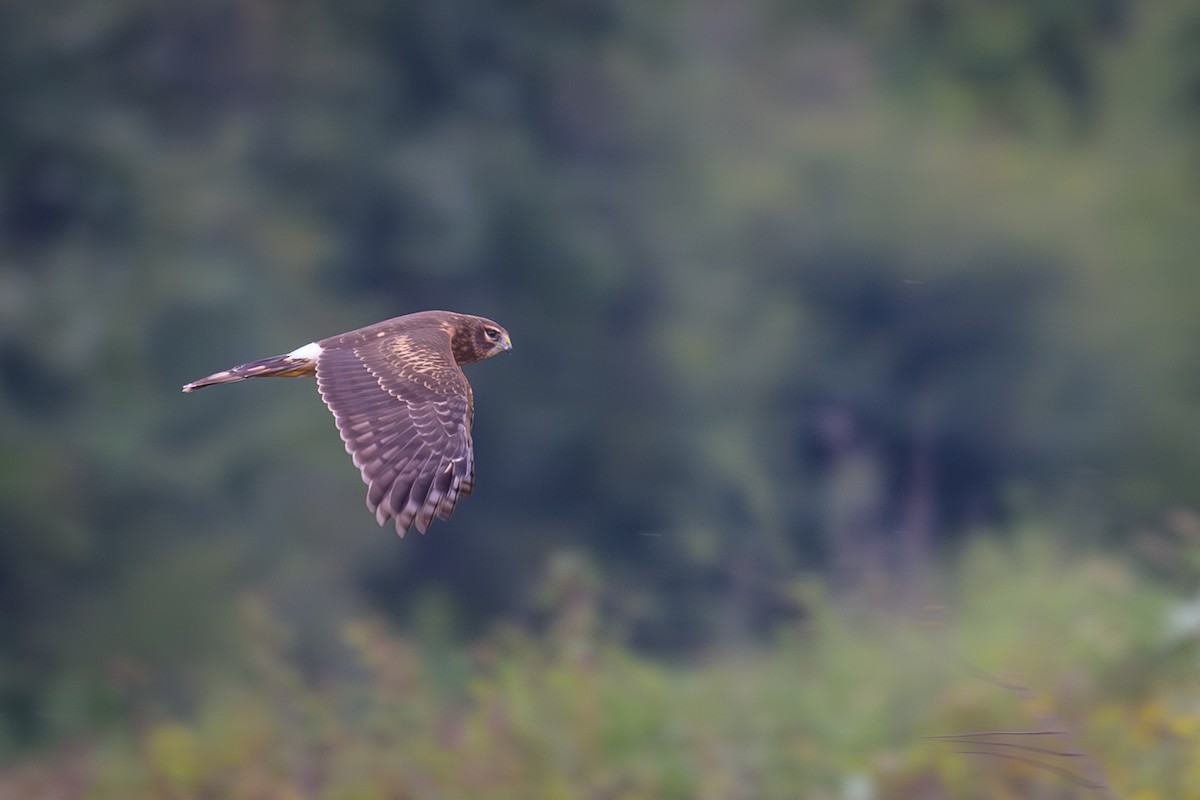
(506, 343)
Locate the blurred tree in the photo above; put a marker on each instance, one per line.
(784, 280)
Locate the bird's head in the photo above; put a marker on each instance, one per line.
(478, 338)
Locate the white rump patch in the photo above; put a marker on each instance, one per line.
(308, 352)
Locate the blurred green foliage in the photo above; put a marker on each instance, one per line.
(835, 708)
(793, 286)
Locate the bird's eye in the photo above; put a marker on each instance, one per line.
(491, 333)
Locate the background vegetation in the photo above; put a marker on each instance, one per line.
(856, 363)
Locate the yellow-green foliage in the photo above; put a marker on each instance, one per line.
(841, 705)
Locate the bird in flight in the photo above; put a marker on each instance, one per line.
(401, 403)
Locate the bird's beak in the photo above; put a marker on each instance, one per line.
(506, 344)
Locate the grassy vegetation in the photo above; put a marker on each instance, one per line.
(840, 705)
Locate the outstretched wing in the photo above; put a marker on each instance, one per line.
(403, 408)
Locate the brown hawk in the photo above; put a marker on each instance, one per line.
(401, 404)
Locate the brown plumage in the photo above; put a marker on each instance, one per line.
(401, 404)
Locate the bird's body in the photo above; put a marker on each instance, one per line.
(401, 403)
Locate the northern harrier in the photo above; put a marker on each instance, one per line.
(401, 404)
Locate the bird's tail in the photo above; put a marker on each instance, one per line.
(288, 366)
